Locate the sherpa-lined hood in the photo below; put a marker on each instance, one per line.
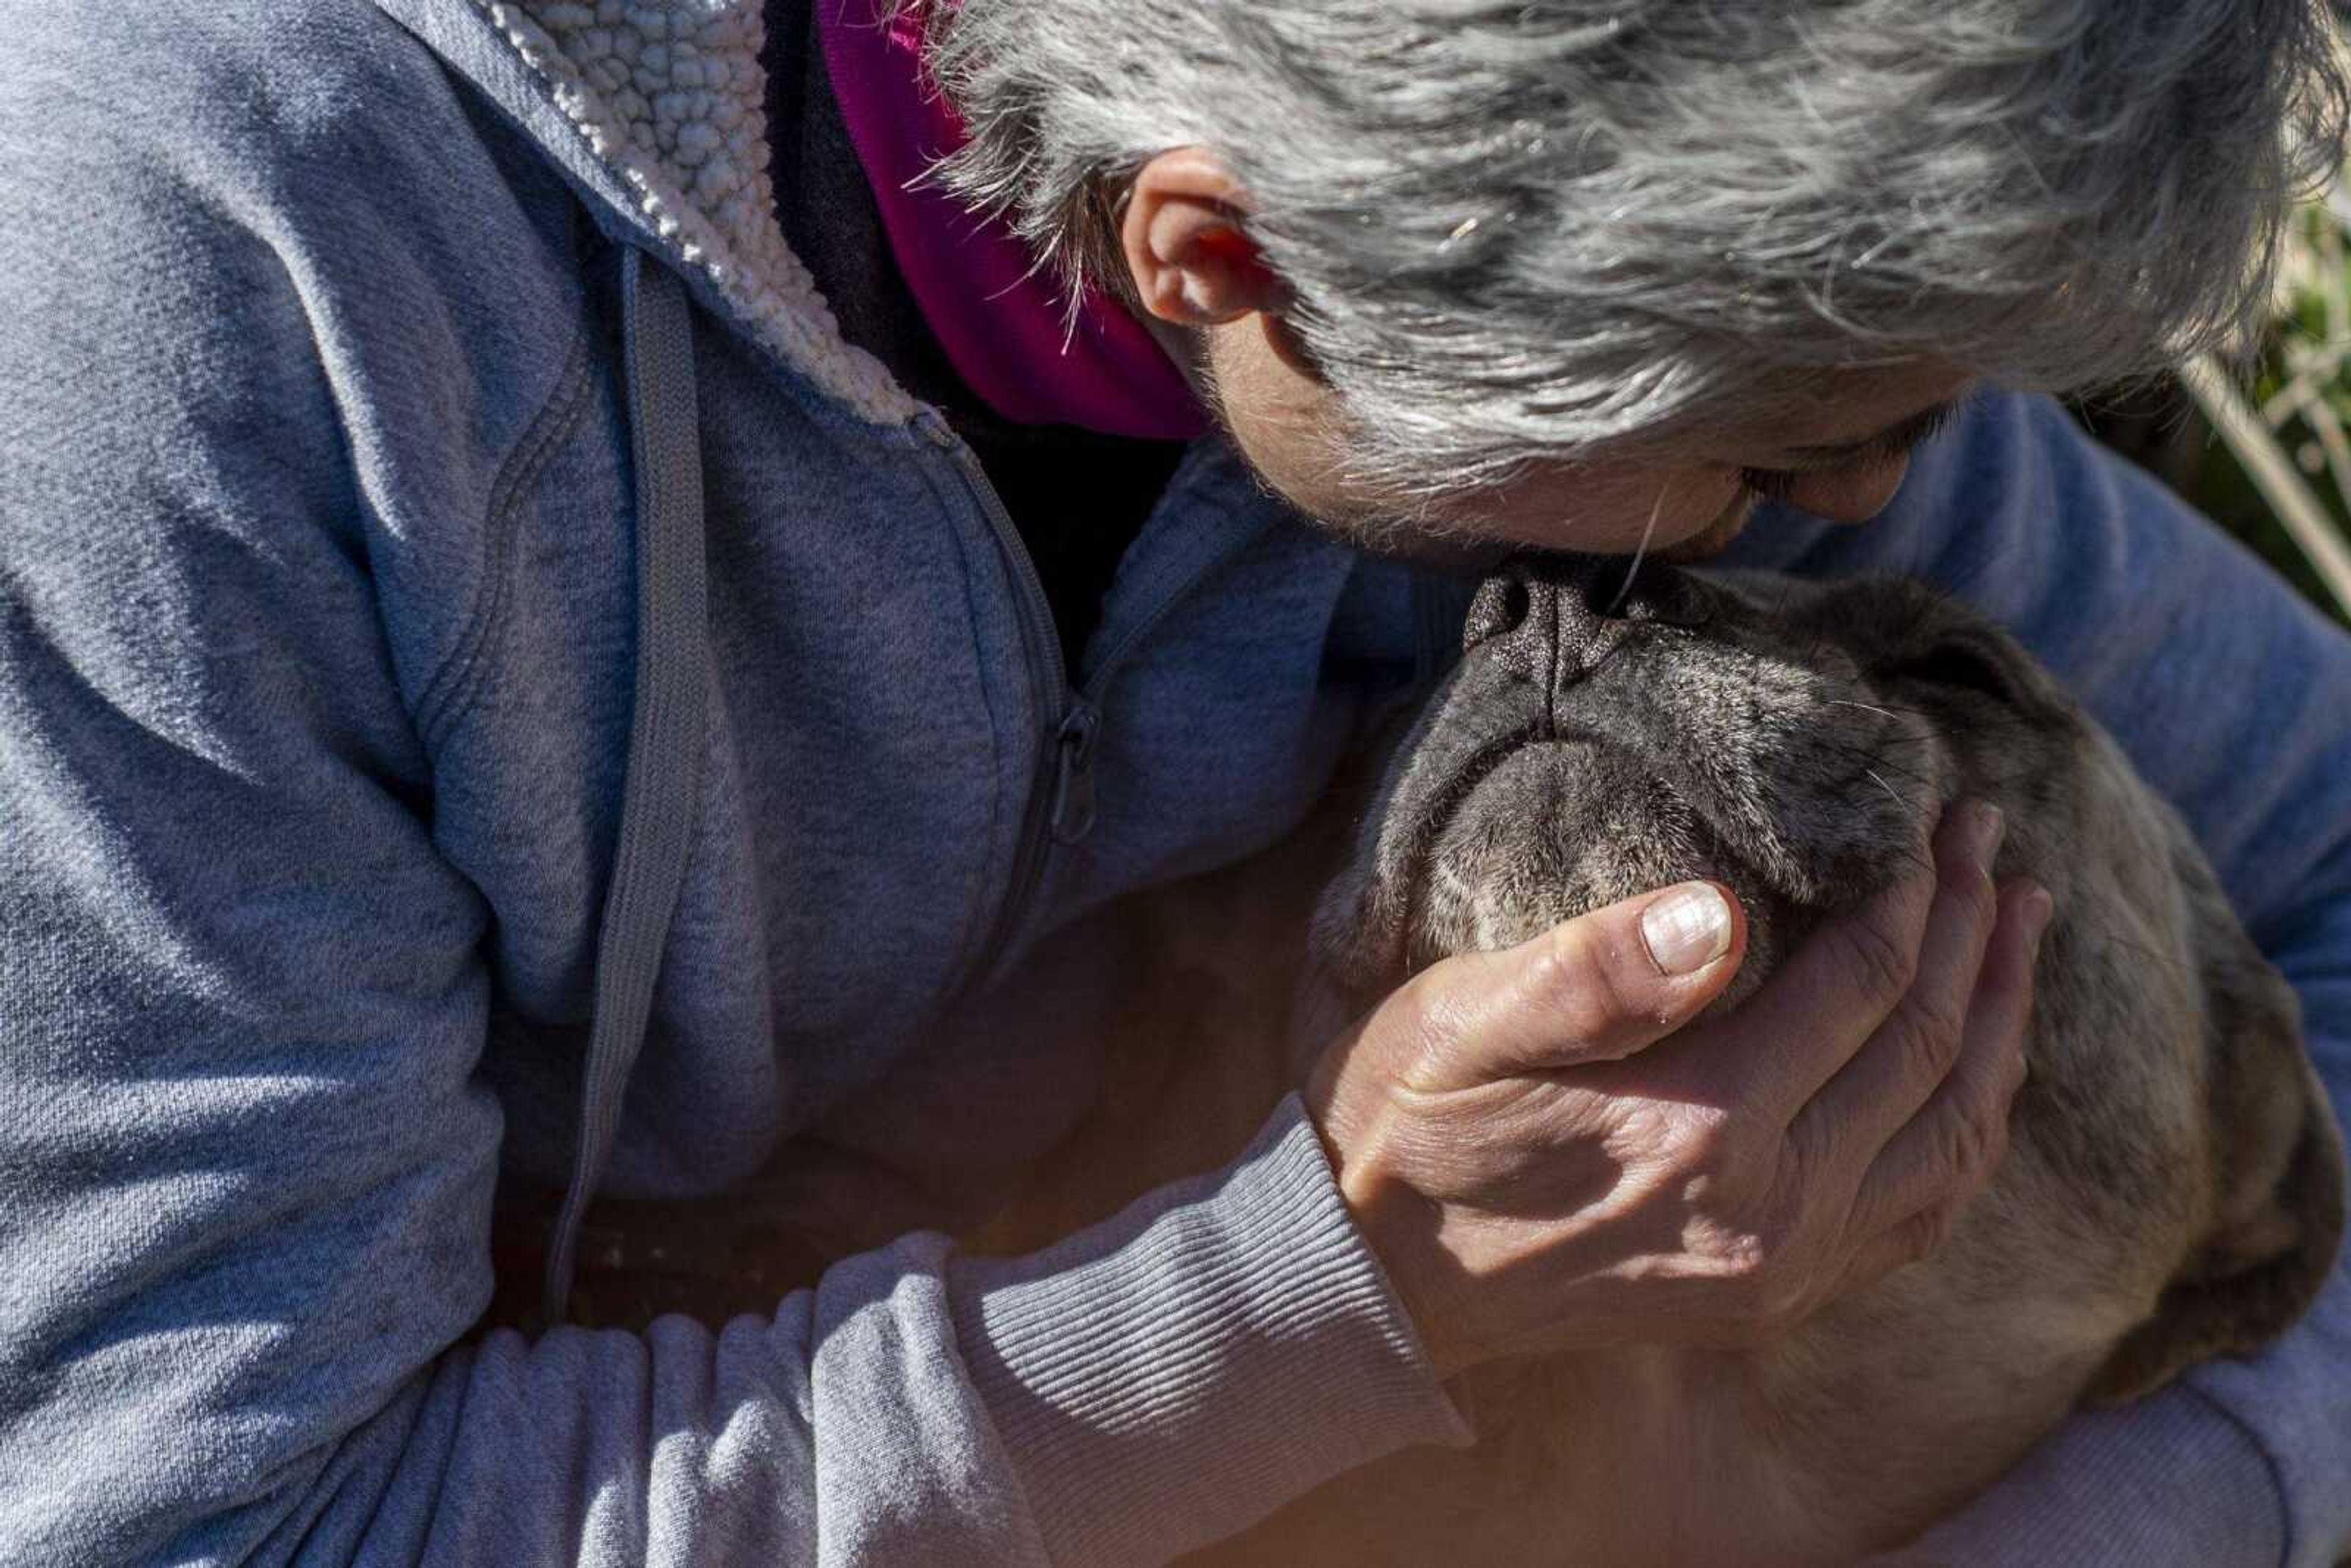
(657, 113)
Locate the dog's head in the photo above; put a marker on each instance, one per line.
(1610, 731)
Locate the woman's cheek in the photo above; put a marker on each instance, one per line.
(1609, 514)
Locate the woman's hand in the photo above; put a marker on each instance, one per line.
(1544, 1157)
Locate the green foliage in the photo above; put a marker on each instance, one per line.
(2218, 485)
(2301, 391)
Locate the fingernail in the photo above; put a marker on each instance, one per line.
(1686, 928)
(1986, 827)
(2039, 910)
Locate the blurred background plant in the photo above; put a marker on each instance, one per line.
(2267, 458)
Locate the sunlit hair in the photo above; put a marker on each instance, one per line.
(1520, 229)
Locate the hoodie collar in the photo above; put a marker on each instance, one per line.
(655, 112)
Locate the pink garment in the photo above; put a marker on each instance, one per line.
(1000, 320)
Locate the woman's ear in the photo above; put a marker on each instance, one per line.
(1191, 259)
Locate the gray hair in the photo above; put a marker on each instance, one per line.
(1520, 229)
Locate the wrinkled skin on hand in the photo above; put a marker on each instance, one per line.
(1537, 1175)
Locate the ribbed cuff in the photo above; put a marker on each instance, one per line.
(2175, 1479)
(1176, 1373)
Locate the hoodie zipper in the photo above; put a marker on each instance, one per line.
(1066, 812)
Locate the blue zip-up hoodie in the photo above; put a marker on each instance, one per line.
(491, 685)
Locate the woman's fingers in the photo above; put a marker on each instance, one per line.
(1946, 1153)
(1832, 996)
(1913, 1053)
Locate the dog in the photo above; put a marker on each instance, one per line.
(2173, 1184)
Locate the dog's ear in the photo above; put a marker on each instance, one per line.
(2278, 1173)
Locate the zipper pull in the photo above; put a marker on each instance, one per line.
(933, 428)
(1074, 781)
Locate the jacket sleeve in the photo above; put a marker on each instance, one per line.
(246, 1156)
(2233, 698)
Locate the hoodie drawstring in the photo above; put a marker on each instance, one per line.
(666, 729)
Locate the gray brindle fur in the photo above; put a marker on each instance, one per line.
(2173, 1184)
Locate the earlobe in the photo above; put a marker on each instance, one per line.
(1188, 248)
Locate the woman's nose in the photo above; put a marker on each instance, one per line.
(1852, 494)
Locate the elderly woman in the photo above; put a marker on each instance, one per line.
(577, 618)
